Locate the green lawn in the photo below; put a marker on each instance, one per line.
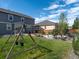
(59, 49)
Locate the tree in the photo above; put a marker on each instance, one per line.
(63, 25)
(55, 32)
(76, 24)
(75, 41)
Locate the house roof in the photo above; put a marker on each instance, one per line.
(14, 13)
(46, 22)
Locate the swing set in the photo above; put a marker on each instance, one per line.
(21, 38)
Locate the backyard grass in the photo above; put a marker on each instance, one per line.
(59, 49)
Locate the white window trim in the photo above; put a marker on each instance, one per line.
(9, 17)
(8, 25)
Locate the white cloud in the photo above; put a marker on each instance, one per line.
(54, 20)
(53, 15)
(70, 1)
(71, 20)
(42, 14)
(72, 14)
(73, 10)
(61, 10)
(53, 6)
(58, 11)
(49, 17)
(37, 20)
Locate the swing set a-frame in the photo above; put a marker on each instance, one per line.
(20, 35)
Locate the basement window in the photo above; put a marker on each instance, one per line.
(10, 17)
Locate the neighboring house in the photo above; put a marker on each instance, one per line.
(46, 26)
(73, 30)
(10, 20)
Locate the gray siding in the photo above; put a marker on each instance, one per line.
(16, 19)
(29, 21)
(3, 17)
(3, 29)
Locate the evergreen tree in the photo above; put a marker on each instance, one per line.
(76, 24)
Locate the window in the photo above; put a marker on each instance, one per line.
(28, 26)
(8, 26)
(22, 19)
(10, 17)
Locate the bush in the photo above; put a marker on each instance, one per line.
(76, 44)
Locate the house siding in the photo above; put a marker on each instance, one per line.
(29, 21)
(16, 19)
(3, 17)
(3, 29)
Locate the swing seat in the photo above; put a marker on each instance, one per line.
(16, 43)
(21, 43)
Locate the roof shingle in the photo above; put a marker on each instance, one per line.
(46, 22)
(15, 13)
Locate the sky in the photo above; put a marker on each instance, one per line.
(44, 9)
